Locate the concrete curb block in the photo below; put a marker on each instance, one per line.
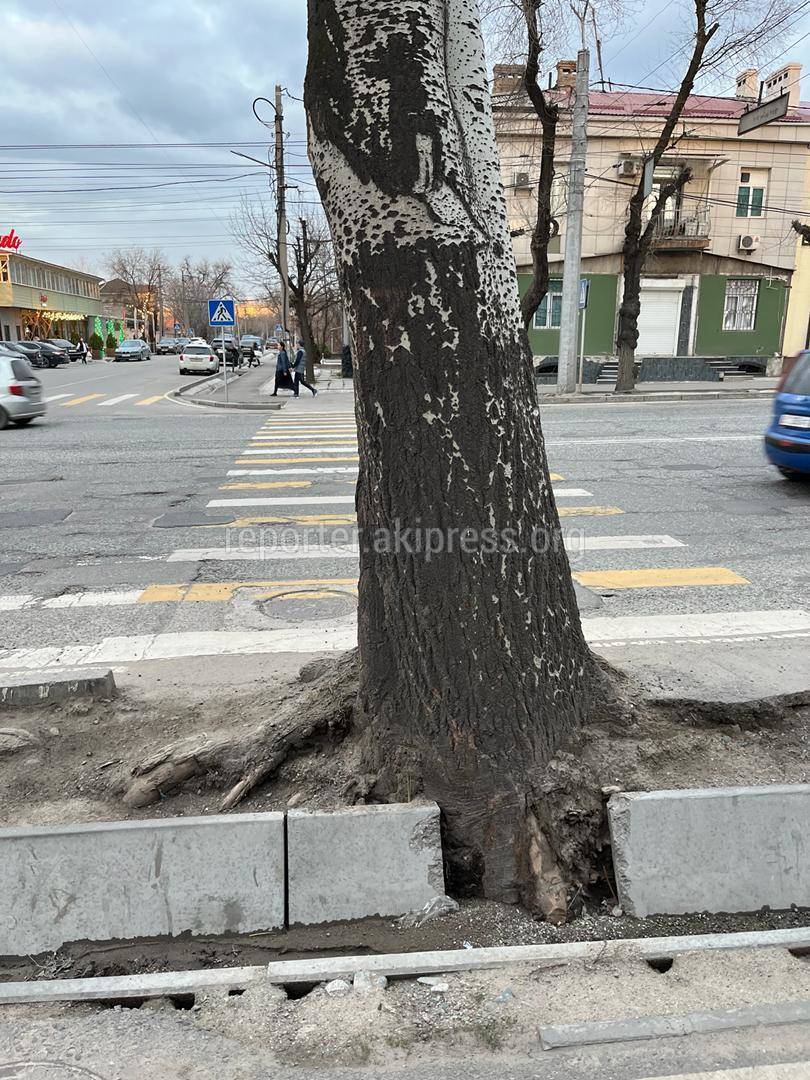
(30, 689)
(730, 849)
(394, 965)
(225, 873)
(187, 391)
(655, 1027)
(632, 399)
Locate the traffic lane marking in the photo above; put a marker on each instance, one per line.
(223, 591)
(116, 400)
(659, 577)
(351, 470)
(79, 400)
(604, 632)
(255, 451)
(275, 552)
(351, 519)
(320, 500)
(151, 400)
(266, 485)
(291, 461)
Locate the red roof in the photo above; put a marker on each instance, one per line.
(638, 103)
(635, 103)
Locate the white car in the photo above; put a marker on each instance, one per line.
(198, 356)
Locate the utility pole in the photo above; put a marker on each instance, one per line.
(281, 205)
(567, 366)
(160, 302)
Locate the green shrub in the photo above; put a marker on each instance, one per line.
(95, 342)
(111, 342)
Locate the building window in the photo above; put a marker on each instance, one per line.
(547, 316)
(740, 311)
(751, 193)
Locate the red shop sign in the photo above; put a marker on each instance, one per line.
(11, 241)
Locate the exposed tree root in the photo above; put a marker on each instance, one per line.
(319, 706)
(563, 808)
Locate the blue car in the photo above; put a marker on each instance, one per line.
(787, 440)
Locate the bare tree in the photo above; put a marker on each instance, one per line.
(189, 286)
(140, 272)
(724, 31)
(803, 230)
(312, 279)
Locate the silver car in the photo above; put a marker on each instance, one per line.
(132, 349)
(21, 398)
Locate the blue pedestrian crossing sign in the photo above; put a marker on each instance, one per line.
(221, 313)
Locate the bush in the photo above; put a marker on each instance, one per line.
(111, 342)
(95, 342)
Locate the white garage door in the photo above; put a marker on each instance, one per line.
(658, 322)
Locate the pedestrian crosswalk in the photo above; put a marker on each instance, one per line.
(99, 400)
(295, 475)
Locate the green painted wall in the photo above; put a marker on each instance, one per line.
(601, 317)
(763, 340)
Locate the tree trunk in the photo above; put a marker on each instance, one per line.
(473, 666)
(629, 309)
(305, 326)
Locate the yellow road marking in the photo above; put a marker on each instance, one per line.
(271, 444)
(555, 476)
(588, 511)
(220, 591)
(150, 400)
(293, 460)
(306, 519)
(268, 486)
(659, 578)
(80, 400)
(160, 594)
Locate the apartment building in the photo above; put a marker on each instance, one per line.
(727, 275)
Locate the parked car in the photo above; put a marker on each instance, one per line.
(198, 356)
(787, 440)
(232, 355)
(52, 354)
(66, 346)
(132, 349)
(250, 345)
(20, 391)
(168, 345)
(29, 350)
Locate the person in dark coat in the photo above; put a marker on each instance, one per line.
(300, 369)
(282, 370)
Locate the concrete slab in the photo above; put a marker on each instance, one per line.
(711, 849)
(31, 689)
(656, 1027)
(366, 860)
(117, 880)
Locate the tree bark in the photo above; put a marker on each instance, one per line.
(473, 666)
(637, 237)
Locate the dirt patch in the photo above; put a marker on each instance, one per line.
(477, 924)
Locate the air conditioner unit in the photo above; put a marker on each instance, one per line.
(522, 180)
(628, 167)
(748, 243)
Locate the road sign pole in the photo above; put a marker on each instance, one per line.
(225, 363)
(583, 316)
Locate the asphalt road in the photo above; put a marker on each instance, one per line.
(126, 515)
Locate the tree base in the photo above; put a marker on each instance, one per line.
(557, 822)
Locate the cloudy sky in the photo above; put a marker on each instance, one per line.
(84, 80)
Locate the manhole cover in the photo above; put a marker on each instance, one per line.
(311, 605)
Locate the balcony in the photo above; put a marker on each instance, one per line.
(687, 229)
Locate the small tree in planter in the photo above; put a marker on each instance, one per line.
(111, 344)
(96, 346)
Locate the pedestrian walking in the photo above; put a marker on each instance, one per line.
(283, 378)
(83, 349)
(300, 369)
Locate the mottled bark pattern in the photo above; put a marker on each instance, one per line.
(473, 666)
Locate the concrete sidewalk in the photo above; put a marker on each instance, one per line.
(755, 388)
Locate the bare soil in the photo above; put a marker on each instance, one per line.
(84, 753)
